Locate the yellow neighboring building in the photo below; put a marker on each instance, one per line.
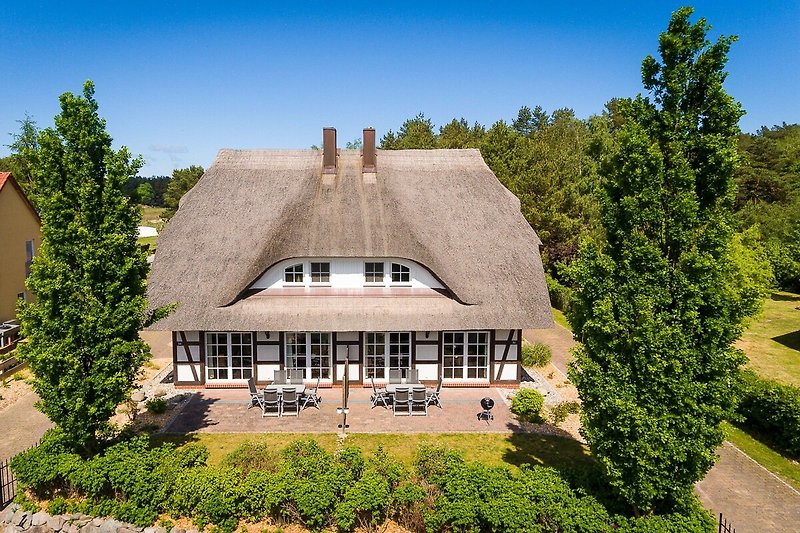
(20, 238)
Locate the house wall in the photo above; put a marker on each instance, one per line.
(346, 273)
(426, 356)
(18, 224)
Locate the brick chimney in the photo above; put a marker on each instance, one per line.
(329, 150)
(369, 156)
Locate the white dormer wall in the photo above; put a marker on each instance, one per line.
(347, 273)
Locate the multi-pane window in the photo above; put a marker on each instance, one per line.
(311, 353)
(466, 355)
(385, 351)
(229, 355)
(293, 273)
(373, 272)
(320, 272)
(400, 273)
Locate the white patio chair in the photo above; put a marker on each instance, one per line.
(378, 395)
(289, 398)
(395, 375)
(412, 376)
(401, 402)
(418, 399)
(312, 397)
(432, 395)
(255, 396)
(269, 402)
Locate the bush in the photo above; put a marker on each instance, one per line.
(771, 408)
(527, 405)
(156, 406)
(253, 455)
(536, 355)
(560, 412)
(560, 295)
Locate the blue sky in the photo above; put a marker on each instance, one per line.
(178, 81)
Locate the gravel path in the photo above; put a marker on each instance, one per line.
(21, 425)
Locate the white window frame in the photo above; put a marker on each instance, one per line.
(244, 344)
(468, 350)
(383, 274)
(293, 273)
(391, 341)
(299, 353)
(401, 273)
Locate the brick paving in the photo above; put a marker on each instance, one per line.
(226, 411)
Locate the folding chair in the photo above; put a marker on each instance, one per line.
(401, 401)
(279, 378)
(255, 396)
(412, 376)
(395, 375)
(378, 395)
(290, 399)
(270, 400)
(312, 397)
(418, 399)
(432, 395)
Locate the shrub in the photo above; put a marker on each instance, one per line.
(527, 405)
(771, 408)
(560, 412)
(253, 455)
(537, 355)
(156, 406)
(56, 506)
(560, 295)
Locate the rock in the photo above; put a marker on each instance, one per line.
(10, 529)
(176, 529)
(127, 530)
(89, 527)
(56, 523)
(19, 518)
(42, 528)
(39, 519)
(97, 522)
(160, 392)
(5, 516)
(110, 526)
(71, 528)
(149, 530)
(137, 396)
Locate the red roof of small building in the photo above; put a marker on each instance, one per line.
(4, 178)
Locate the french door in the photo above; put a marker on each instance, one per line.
(466, 355)
(386, 351)
(310, 352)
(229, 355)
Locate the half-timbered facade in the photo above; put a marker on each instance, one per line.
(386, 259)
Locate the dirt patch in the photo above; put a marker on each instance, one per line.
(14, 388)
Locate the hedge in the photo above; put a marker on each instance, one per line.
(772, 408)
(306, 484)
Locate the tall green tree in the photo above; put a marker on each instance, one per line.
(23, 151)
(183, 179)
(414, 133)
(89, 276)
(658, 308)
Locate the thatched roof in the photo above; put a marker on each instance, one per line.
(441, 208)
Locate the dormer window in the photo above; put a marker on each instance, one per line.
(373, 272)
(320, 272)
(400, 273)
(293, 273)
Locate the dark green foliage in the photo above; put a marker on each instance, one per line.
(157, 183)
(560, 295)
(134, 483)
(89, 276)
(183, 179)
(537, 354)
(527, 404)
(658, 306)
(23, 156)
(773, 409)
(253, 455)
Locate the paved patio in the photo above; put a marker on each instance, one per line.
(226, 410)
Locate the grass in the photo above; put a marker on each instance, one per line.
(772, 342)
(492, 449)
(150, 241)
(784, 467)
(151, 216)
(560, 319)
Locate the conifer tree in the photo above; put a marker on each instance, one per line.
(658, 306)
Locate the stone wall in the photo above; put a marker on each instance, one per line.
(15, 520)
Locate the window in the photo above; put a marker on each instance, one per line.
(28, 257)
(400, 273)
(320, 272)
(373, 272)
(293, 274)
(466, 355)
(229, 355)
(385, 351)
(310, 352)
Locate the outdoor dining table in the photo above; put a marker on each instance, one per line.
(391, 388)
(301, 389)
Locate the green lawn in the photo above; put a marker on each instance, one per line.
(786, 468)
(151, 216)
(488, 448)
(560, 319)
(772, 342)
(150, 241)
